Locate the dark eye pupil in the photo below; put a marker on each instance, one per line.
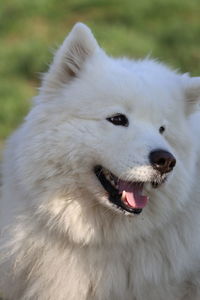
(161, 129)
(119, 119)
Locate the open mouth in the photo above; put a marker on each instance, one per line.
(125, 195)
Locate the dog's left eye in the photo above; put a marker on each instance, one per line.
(162, 129)
(119, 120)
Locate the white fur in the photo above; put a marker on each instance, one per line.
(66, 241)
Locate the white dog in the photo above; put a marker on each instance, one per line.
(101, 186)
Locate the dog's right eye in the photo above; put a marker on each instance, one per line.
(119, 120)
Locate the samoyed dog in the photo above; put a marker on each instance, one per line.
(101, 184)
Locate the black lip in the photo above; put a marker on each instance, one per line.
(113, 194)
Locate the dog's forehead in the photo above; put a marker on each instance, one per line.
(136, 82)
(136, 92)
(115, 87)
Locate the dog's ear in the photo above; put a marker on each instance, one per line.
(78, 46)
(192, 92)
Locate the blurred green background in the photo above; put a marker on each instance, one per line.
(30, 30)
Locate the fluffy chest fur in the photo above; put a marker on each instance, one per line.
(54, 268)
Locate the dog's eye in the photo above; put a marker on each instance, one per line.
(119, 120)
(162, 129)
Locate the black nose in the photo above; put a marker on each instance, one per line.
(162, 161)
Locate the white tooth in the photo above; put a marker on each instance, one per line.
(123, 195)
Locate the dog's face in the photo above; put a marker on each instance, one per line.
(120, 127)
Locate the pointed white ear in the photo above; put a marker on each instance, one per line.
(192, 91)
(79, 45)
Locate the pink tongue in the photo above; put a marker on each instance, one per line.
(132, 194)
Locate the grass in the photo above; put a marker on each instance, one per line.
(30, 30)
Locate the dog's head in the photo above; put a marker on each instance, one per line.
(115, 129)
